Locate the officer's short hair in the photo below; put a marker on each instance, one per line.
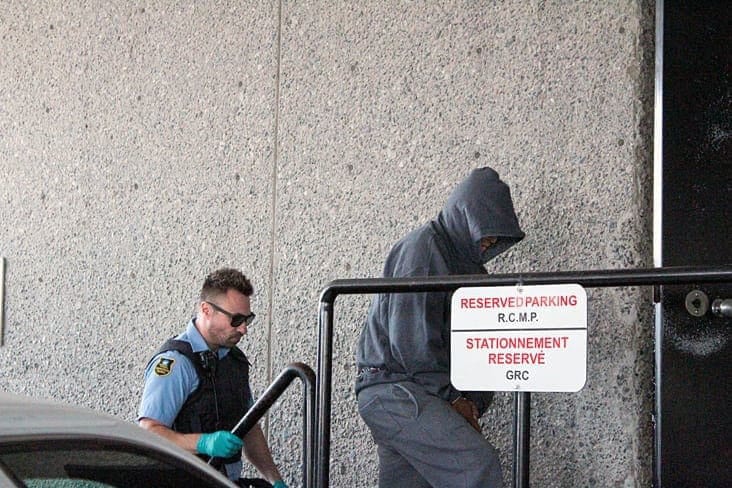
(224, 279)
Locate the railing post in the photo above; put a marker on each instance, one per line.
(323, 392)
(521, 438)
(307, 376)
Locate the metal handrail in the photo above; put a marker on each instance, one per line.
(522, 400)
(270, 396)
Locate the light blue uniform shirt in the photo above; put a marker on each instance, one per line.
(170, 378)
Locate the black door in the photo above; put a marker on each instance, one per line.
(694, 441)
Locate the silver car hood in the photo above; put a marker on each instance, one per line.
(25, 418)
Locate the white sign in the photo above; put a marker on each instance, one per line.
(519, 338)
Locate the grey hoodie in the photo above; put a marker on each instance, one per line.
(406, 336)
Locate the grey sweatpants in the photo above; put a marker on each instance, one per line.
(423, 442)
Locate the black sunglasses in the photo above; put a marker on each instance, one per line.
(236, 318)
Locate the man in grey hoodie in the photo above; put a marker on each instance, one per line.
(426, 431)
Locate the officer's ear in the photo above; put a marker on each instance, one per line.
(205, 309)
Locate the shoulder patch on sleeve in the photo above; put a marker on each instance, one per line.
(164, 366)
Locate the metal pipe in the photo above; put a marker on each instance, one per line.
(658, 141)
(521, 436)
(587, 279)
(722, 307)
(657, 417)
(323, 391)
(270, 396)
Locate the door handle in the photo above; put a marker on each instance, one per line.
(722, 307)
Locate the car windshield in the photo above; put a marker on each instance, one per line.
(94, 464)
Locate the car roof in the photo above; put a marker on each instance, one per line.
(25, 418)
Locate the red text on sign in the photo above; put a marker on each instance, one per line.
(520, 301)
(546, 342)
(516, 358)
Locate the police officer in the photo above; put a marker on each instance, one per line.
(197, 384)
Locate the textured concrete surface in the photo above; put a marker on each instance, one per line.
(143, 145)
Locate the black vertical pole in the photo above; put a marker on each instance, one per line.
(307, 465)
(521, 434)
(323, 391)
(309, 429)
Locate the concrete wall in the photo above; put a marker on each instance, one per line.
(144, 144)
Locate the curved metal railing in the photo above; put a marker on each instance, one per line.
(270, 396)
(522, 400)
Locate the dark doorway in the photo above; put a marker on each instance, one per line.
(694, 441)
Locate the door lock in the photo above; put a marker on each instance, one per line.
(697, 303)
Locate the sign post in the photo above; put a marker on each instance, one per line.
(519, 338)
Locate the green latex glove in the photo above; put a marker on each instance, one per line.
(219, 444)
(279, 484)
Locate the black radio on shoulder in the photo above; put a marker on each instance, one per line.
(208, 361)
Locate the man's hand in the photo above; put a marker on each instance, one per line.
(221, 444)
(467, 409)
